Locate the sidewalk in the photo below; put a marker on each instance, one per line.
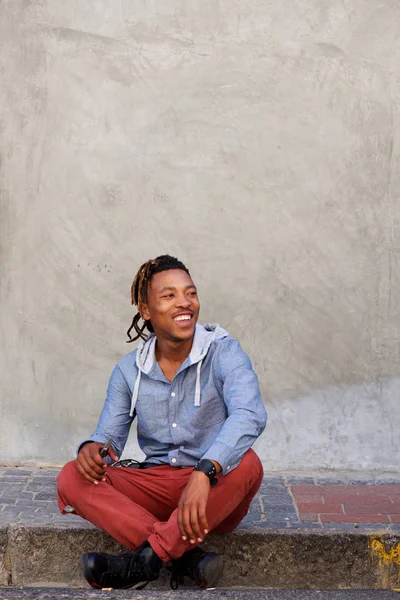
(28, 496)
(292, 516)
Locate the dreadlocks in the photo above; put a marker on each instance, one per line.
(140, 286)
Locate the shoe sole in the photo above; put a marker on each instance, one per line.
(88, 565)
(211, 571)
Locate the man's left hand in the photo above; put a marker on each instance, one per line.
(192, 519)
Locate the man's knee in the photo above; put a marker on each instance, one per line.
(251, 468)
(69, 480)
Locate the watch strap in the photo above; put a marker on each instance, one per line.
(208, 468)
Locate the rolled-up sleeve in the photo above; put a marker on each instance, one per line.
(114, 421)
(247, 416)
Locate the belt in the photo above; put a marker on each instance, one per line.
(130, 463)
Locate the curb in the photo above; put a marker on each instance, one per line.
(308, 559)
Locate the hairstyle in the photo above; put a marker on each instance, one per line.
(140, 286)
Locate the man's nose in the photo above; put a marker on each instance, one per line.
(183, 301)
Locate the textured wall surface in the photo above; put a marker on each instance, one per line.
(256, 141)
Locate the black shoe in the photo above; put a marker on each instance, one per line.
(204, 568)
(122, 571)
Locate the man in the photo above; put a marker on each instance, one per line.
(199, 410)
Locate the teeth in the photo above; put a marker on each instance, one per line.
(183, 318)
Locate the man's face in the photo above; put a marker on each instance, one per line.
(172, 305)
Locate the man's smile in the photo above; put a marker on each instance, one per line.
(183, 318)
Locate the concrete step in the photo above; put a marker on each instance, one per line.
(325, 559)
(315, 531)
(30, 593)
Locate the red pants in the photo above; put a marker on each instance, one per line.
(134, 505)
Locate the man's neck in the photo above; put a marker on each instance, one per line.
(172, 352)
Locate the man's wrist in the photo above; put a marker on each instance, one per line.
(208, 468)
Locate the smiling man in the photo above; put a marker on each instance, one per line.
(199, 410)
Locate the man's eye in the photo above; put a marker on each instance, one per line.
(192, 293)
(168, 296)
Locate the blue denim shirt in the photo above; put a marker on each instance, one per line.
(211, 409)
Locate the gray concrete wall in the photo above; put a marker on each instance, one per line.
(256, 141)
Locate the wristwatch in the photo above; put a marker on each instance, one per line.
(208, 468)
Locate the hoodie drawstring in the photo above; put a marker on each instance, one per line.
(197, 389)
(135, 393)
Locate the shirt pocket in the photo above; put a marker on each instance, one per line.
(150, 412)
(212, 410)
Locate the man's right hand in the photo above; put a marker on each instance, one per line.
(90, 464)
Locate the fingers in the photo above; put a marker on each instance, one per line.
(94, 469)
(194, 522)
(112, 454)
(89, 470)
(192, 519)
(93, 457)
(191, 524)
(203, 519)
(186, 524)
(180, 521)
(81, 467)
(90, 464)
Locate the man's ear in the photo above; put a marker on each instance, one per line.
(145, 313)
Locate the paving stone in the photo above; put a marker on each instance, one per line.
(388, 482)
(361, 481)
(46, 496)
(273, 480)
(251, 517)
(17, 472)
(282, 502)
(255, 505)
(373, 526)
(10, 490)
(330, 481)
(24, 501)
(271, 524)
(319, 507)
(280, 510)
(275, 492)
(40, 487)
(309, 518)
(298, 525)
(275, 486)
(28, 506)
(274, 489)
(291, 479)
(44, 480)
(344, 526)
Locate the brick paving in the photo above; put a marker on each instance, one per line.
(285, 501)
(359, 503)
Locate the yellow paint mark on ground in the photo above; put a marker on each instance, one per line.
(388, 557)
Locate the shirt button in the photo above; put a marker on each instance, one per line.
(181, 447)
(174, 425)
(173, 460)
(229, 466)
(173, 394)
